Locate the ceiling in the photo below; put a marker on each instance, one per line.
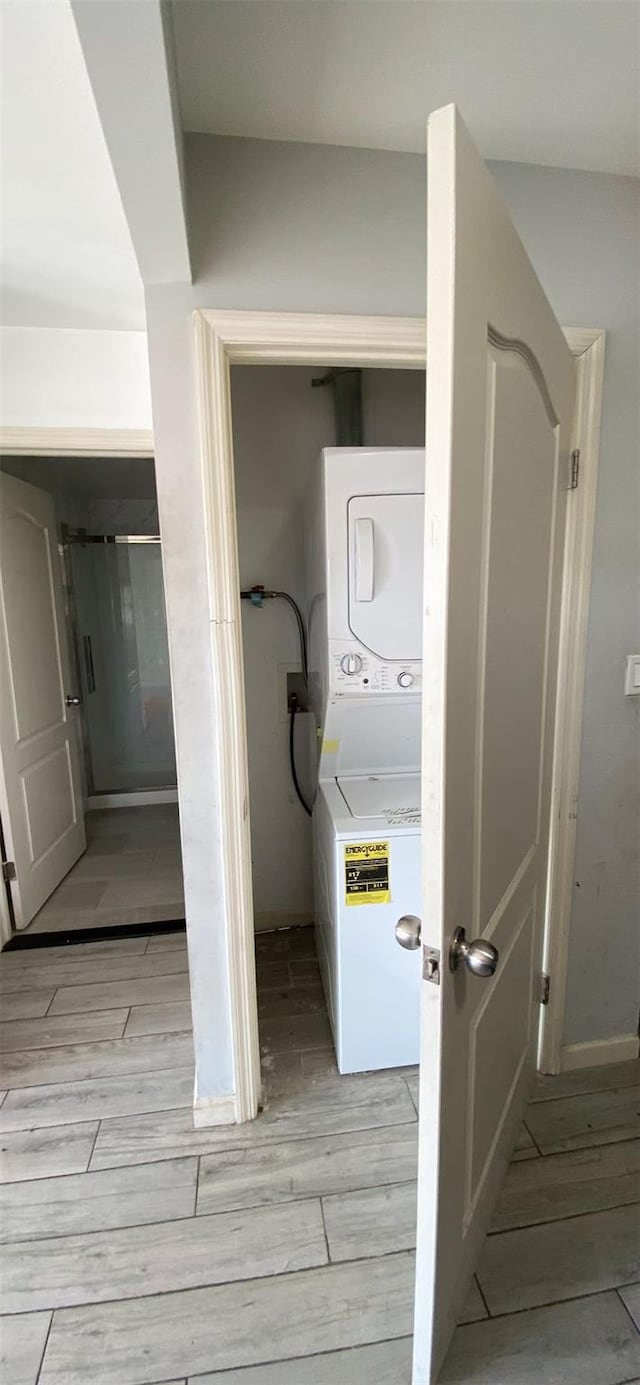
(67, 258)
(545, 81)
(538, 81)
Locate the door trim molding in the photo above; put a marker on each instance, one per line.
(589, 347)
(213, 1110)
(82, 442)
(223, 339)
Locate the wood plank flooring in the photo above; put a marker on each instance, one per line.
(136, 1250)
(131, 872)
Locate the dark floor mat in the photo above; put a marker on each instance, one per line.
(21, 941)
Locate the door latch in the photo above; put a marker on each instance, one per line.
(408, 934)
(431, 965)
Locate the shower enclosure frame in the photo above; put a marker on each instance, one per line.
(96, 797)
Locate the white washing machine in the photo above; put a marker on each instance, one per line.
(365, 557)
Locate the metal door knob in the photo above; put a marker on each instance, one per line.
(72, 701)
(480, 957)
(408, 930)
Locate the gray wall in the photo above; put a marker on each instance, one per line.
(96, 514)
(310, 228)
(582, 233)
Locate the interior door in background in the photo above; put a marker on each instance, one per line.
(500, 385)
(40, 786)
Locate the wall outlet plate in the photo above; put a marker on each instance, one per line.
(282, 708)
(296, 687)
(632, 676)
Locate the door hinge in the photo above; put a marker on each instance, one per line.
(8, 871)
(545, 987)
(574, 475)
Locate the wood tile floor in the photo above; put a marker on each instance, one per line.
(131, 872)
(137, 1250)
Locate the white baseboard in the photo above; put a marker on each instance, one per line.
(597, 1052)
(266, 923)
(138, 798)
(213, 1110)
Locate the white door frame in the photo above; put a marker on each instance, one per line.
(588, 348)
(78, 442)
(224, 339)
(68, 442)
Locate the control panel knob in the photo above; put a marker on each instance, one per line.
(405, 680)
(351, 663)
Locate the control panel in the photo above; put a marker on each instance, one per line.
(354, 670)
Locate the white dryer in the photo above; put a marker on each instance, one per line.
(364, 544)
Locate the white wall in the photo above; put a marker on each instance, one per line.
(280, 425)
(71, 378)
(289, 227)
(65, 248)
(180, 502)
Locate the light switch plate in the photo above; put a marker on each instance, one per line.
(632, 676)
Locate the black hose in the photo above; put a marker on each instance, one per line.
(258, 595)
(263, 595)
(293, 707)
(302, 633)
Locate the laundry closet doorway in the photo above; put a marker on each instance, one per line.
(227, 340)
(283, 416)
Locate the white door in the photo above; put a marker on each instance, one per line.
(41, 798)
(499, 413)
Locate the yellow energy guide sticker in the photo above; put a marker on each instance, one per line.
(366, 873)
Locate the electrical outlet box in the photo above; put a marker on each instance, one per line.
(296, 687)
(282, 706)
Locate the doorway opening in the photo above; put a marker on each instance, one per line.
(283, 417)
(226, 339)
(88, 627)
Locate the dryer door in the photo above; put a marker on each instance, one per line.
(385, 574)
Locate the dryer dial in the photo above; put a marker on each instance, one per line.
(351, 663)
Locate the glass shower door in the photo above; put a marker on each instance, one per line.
(124, 663)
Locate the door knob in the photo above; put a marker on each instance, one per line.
(408, 930)
(72, 701)
(480, 957)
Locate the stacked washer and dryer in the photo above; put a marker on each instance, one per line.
(364, 541)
